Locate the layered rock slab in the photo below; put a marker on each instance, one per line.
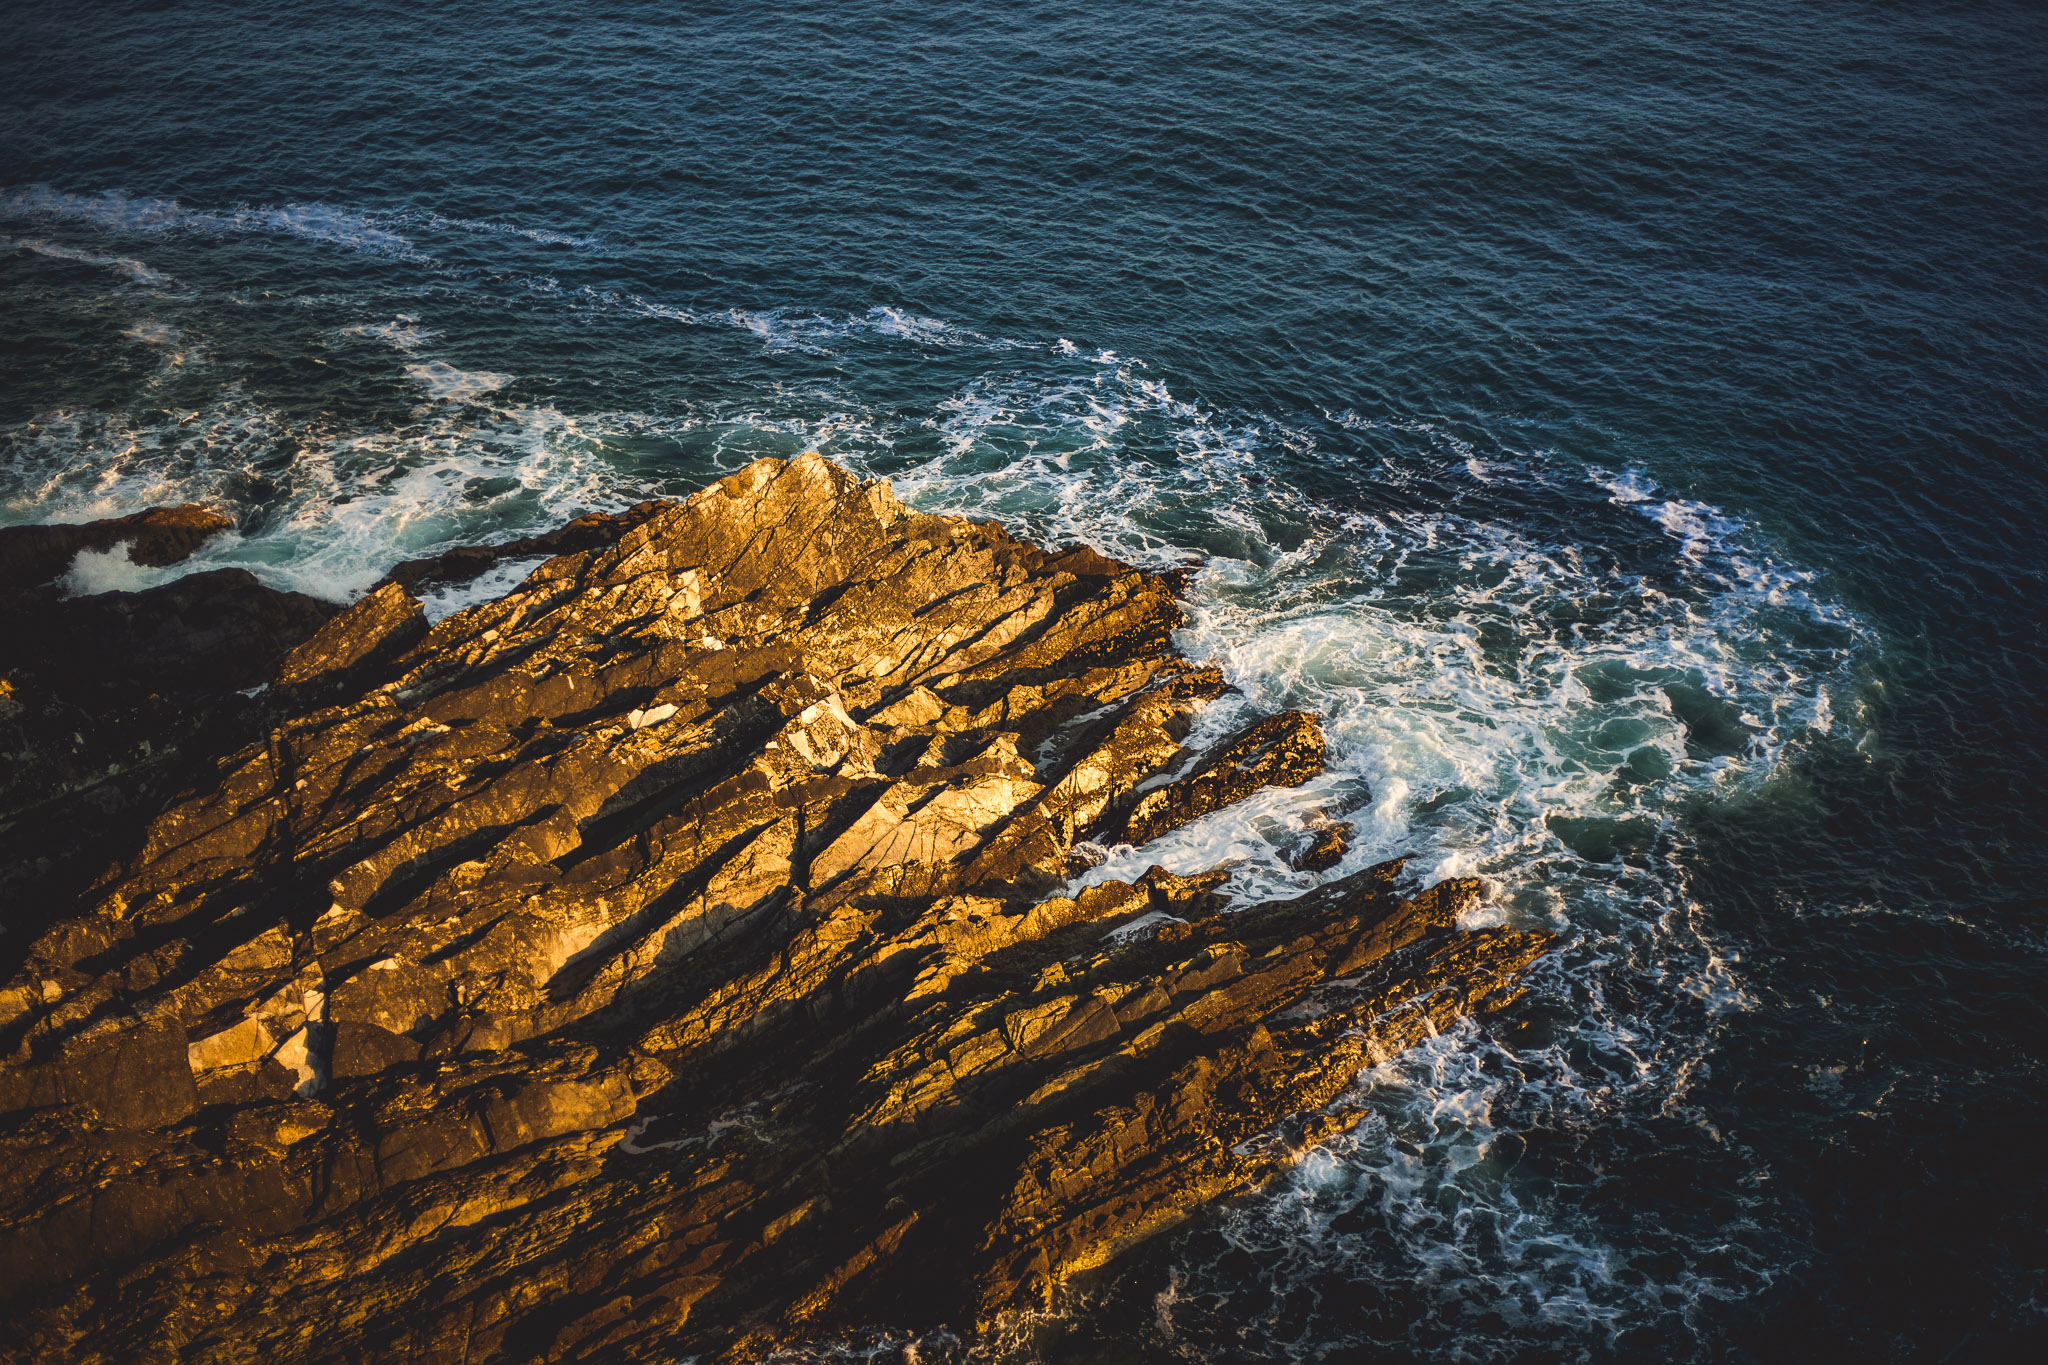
(679, 953)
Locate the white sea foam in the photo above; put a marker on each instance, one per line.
(1466, 692)
(350, 503)
(371, 232)
(138, 272)
(177, 353)
(448, 384)
(482, 228)
(782, 330)
(402, 333)
(444, 600)
(95, 571)
(117, 212)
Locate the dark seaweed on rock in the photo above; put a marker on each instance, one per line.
(675, 955)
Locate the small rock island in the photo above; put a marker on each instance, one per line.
(679, 955)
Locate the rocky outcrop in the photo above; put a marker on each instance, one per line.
(34, 555)
(681, 955)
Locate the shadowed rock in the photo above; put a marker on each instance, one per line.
(112, 702)
(676, 955)
(33, 555)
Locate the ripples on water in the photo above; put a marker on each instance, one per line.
(1621, 425)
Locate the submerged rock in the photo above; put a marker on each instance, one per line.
(676, 955)
(1325, 846)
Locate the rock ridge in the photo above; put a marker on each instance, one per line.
(682, 953)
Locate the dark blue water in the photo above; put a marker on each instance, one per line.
(1622, 421)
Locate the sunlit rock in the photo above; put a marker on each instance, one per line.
(677, 955)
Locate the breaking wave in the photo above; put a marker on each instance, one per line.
(347, 504)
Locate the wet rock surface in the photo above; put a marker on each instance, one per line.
(1279, 751)
(678, 955)
(1324, 848)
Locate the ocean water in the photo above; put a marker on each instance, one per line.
(1622, 422)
